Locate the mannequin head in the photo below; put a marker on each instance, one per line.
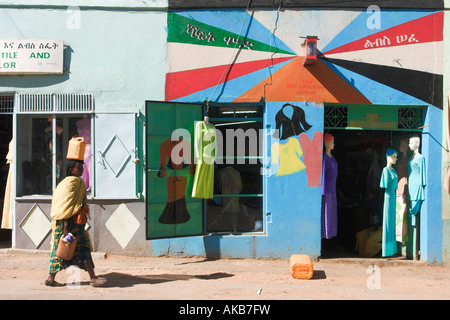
(329, 142)
(391, 157)
(414, 143)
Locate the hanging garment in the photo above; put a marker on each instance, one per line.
(205, 146)
(417, 182)
(287, 156)
(7, 204)
(329, 200)
(401, 215)
(389, 182)
(290, 127)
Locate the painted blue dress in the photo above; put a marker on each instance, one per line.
(389, 182)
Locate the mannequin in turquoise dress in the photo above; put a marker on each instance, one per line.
(389, 182)
(416, 188)
(417, 181)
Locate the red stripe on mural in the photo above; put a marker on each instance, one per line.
(426, 29)
(183, 83)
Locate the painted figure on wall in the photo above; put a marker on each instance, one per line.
(329, 199)
(290, 122)
(287, 127)
(288, 157)
(175, 210)
(313, 157)
(389, 182)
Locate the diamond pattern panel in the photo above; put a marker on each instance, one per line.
(36, 225)
(123, 225)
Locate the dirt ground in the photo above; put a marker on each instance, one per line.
(22, 274)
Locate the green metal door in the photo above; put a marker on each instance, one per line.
(170, 209)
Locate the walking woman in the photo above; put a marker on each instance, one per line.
(68, 200)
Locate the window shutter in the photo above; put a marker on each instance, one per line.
(115, 152)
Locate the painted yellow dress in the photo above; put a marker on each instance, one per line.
(287, 156)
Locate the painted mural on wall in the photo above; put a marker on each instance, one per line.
(296, 143)
(366, 56)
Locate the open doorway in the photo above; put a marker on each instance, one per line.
(6, 123)
(360, 155)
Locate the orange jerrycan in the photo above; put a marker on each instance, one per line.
(77, 145)
(301, 266)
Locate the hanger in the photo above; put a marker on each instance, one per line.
(206, 117)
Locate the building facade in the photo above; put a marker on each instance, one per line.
(131, 76)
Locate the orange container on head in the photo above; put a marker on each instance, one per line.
(77, 145)
(301, 266)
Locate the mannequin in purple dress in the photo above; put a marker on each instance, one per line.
(329, 200)
(84, 131)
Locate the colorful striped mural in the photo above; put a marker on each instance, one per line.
(366, 56)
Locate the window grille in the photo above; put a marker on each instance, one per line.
(74, 102)
(49, 103)
(35, 103)
(335, 117)
(6, 104)
(248, 111)
(410, 118)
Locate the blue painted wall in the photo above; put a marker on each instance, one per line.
(363, 70)
(293, 209)
(431, 236)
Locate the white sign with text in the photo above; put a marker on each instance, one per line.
(21, 56)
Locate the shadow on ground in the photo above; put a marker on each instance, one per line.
(319, 274)
(123, 280)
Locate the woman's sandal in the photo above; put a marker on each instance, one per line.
(53, 284)
(98, 282)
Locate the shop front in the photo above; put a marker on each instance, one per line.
(352, 84)
(272, 79)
